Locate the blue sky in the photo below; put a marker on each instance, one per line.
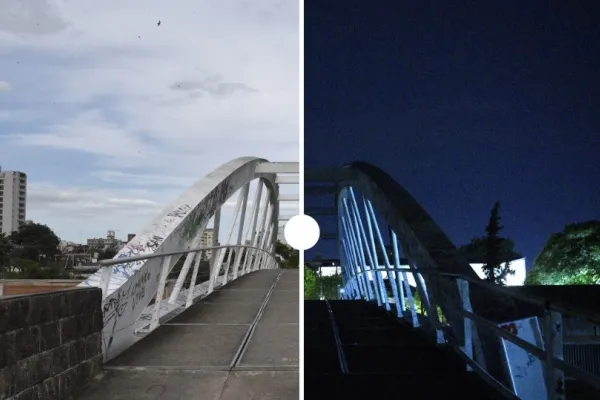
(112, 117)
(463, 105)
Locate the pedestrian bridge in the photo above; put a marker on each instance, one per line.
(239, 342)
(196, 306)
(415, 319)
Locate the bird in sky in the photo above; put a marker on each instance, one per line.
(158, 24)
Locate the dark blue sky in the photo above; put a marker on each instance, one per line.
(462, 105)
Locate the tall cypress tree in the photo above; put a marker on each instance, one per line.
(493, 244)
(495, 252)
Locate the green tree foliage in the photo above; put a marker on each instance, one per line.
(571, 257)
(29, 253)
(5, 252)
(108, 254)
(315, 285)
(35, 242)
(287, 256)
(311, 285)
(23, 268)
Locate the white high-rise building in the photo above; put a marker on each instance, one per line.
(208, 240)
(13, 200)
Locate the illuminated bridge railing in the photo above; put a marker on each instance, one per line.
(514, 342)
(536, 341)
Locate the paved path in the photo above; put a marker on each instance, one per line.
(239, 343)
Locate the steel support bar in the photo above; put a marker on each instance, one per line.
(160, 293)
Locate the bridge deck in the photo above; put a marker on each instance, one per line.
(241, 342)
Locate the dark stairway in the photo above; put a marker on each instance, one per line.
(382, 356)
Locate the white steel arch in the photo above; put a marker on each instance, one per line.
(129, 287)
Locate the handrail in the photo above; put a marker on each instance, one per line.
(106, 266)
(544, 304)
(223, 266)
(545, 355)
(125, 260)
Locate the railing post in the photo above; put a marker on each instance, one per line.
(463, 289)
(391, 276)
(185, 269)
(355, 252)
(422, 290)
(555, 381)
(212, 275)
(106, 274)
(373, 256)
(190, 294)
(164, 272)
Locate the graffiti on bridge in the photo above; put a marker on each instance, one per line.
(132, 293)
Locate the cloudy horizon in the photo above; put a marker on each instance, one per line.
(113, 116)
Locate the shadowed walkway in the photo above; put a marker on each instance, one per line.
(241, 342)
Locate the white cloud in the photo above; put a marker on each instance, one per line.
(113, 116)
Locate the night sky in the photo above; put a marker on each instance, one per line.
(463, 106)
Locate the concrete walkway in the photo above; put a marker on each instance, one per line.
(239, 343)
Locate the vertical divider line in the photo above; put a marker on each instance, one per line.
(246, 340)
(338, 341)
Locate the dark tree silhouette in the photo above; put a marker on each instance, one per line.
(5, 250)
(107, 254)
(476, 250)
(495, 251)
(35, 242)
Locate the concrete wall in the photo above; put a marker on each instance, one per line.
(50, 343)
(11, 287)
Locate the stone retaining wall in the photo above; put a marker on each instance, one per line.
(50, 343)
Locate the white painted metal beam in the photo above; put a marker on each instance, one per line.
(288, 197)
(278, 168)
(285, 218)
(288, 179)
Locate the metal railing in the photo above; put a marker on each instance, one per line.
(550, 353)
(225, 264)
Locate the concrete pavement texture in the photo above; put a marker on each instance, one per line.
(239, 343)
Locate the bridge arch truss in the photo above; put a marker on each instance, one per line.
(391, 251)
(134, 283)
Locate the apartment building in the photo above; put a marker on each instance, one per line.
(110, 242)
(208, 240)
(13, 200)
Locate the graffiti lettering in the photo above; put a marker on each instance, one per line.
(135, 291)
(531, 360)
(112, 311)
(139, 289)
(202, 213)
(180, 211)
(135, 248)
(153, 243)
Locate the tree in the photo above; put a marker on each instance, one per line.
(315, 286)
(475, 251)
(108, 254)
(5, 250)
(311, 285)
(23, 268)
(287, 256)
(35, 242)
(494, 257)
(570, 257)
